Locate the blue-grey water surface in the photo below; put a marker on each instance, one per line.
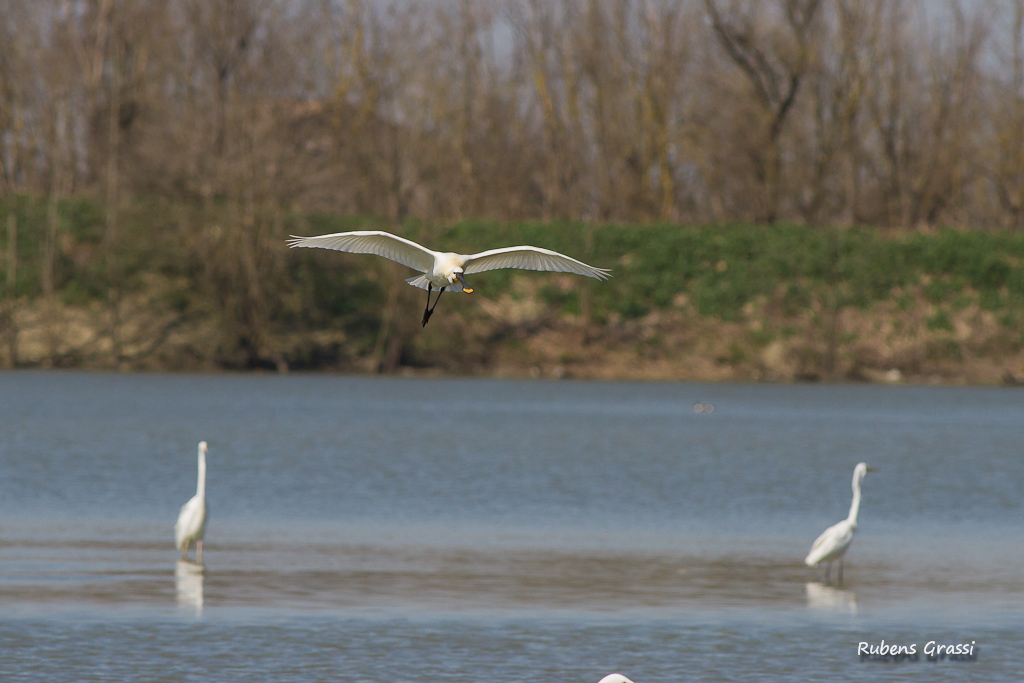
(368, 529)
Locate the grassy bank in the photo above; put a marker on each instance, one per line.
(187, 288)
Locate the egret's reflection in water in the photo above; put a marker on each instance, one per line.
(188, 584)
(821, 596)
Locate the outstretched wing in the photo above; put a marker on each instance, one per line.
(393, 247)
(531, 258)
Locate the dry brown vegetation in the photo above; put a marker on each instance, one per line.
(880, 112)
(226, 119)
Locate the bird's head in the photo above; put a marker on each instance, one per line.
(456, 276)
(862, 469)
(202, 446)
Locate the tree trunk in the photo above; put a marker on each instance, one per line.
(110, 237)
(10, 325)
(49, 259)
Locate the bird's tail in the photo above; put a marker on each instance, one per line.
(422, 282)
(814, 557)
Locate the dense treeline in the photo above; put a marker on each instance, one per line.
(193, 135)
(880, 112)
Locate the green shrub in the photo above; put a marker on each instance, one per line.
(940, 320)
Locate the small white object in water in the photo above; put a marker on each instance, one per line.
(820, 596)
(615, 678)
(188, 584)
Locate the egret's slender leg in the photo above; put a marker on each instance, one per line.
(429, 310)
(199, 552)
(184, 551)
(828, 571)
(841, 571)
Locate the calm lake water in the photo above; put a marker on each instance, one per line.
(367, 529)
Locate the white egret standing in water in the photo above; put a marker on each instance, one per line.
(191, 525)
(834, 541)
(446, 270)
(615, 678)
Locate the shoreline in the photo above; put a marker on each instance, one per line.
(662, 346)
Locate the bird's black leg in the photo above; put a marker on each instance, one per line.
(439, 293)
(840, 571)
(828, 572)
(429, 310)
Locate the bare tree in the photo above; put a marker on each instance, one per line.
(11, 133)
(1005, 148)
(10, 294)
(921, 114)
(775, 58)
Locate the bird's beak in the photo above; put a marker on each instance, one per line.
(465, 288)
(872, 469)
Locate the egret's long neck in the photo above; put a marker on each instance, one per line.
(201, 486)
(855, 505)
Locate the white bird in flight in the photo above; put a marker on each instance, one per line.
(835, 540)
(446, 270)
(191, 525)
